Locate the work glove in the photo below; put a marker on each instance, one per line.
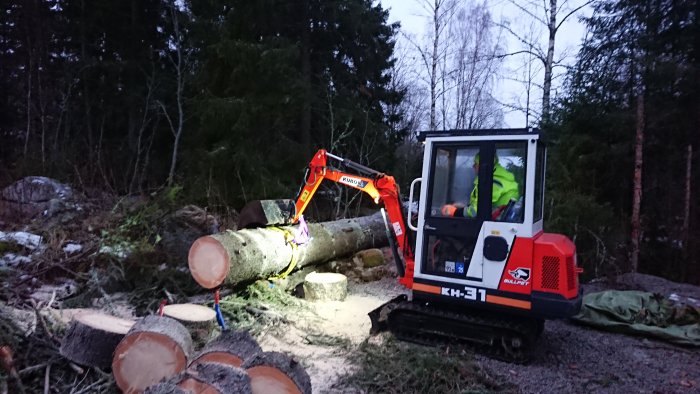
(452, 210)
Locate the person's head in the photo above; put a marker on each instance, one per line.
(477, 160)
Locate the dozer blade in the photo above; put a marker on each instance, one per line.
(262, 213)
(379, 316)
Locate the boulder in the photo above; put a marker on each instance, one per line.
(36, 196)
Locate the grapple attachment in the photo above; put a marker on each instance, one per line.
(262, 213)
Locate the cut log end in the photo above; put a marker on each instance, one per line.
(266, 379)
(190, 313)
(274, 372)
(154, 349)
(325, 286)
(209, 262)
(231, 348)
(213, 378)
(207, 378)
(92, 337)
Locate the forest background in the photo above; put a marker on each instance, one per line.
(224, 101)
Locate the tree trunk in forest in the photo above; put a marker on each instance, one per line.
(155, 348)
(433, 64)
(245, 255)
(305, 130)
(549, 64)
(637, 185)
(686, 210)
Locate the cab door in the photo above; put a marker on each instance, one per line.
(507, 219)
(447, 241)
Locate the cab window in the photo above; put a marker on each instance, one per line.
(510, 167)
(453, 178)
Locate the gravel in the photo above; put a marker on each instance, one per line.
(571, 358)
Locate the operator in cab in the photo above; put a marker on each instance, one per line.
(505, 189)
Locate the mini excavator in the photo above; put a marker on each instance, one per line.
(488, 279)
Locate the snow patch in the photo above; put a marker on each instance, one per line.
(28, 240)
(12, 259)
(118, 251)
(71, 248)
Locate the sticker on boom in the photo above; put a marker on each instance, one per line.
(520, 275)
(350, 181)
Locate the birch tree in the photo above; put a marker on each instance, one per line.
(179, 57)
(551, 15)
(474, 68)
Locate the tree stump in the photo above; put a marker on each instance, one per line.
(277, 373)
(231, 348)
(325, 286)
(92, 337)
(206, 378)
(155, 348)
(198, 319)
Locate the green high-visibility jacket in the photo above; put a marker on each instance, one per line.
(505, 188)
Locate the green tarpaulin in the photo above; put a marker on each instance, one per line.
(641, 313)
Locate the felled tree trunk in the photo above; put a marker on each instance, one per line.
(92, 337)
(240, 256)
(155, 348)
(274, 372)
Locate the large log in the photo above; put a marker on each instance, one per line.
(92, 337)
(231, 348)
(154, 348)
(240, 256)
(206, 378)
(277, 373)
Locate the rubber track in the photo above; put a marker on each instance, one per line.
(416, 323)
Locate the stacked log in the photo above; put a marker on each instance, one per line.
(231, 348)
(155, 348)
(274, 372)
(230, 363)
(239, 256)
(199, 320)
(91, 338)
(206, 378)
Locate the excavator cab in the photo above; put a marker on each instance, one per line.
(490, 252)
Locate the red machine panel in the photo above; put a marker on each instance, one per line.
(554, 269)
(517, 275)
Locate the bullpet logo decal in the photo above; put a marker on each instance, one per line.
(520, 276)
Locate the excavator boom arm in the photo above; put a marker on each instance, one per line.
(380, 187)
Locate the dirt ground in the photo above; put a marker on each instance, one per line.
(569, 358)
